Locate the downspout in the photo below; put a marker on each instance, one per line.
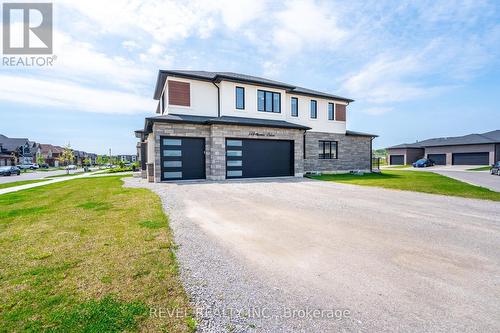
(371, 154)
(218, 98)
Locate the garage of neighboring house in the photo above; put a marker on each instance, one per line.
(397, 160)
(479, 158)
(471, 149)
(439, 159)
(252, 158)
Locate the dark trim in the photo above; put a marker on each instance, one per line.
(371, 154)
(353, 133)
(330, 153)
(304, 145)
(315, 109)
(272, 100)
(328, 111)
(291, 108)
(236, 97)
(162, 77)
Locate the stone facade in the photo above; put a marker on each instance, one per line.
(354, 153)
(215, 137)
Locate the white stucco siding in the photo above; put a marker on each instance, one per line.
(321, 124)
(203, 99)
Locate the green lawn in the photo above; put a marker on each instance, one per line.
(88, 255)
(399, 166)
(21, 182)
(418, 181)
(484, 168)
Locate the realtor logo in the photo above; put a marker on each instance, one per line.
(27, 28)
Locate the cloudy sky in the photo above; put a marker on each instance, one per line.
(416, 69)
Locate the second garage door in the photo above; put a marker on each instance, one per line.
(439, 159)
(471, 158)
(397, 159)
(252, 158)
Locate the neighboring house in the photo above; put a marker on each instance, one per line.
(23, 149)
(219, 125)
(6, 158)
(472, 149)
(49, 153)
(127, 158)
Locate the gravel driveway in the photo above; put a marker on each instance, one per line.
(366, 259)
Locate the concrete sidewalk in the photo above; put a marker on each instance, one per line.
(57, 180)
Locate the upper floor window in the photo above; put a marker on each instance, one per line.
(268, 101)
(331, 111)
(328, 149)
(314, 109)
(240, 98)
(295, 107)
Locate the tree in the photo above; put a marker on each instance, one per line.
(67, 156)
(40, 160)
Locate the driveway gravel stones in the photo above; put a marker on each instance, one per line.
(296, 255)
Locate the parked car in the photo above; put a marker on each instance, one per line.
(423, 163)
(27, 166)
(44, 166)
(9, 170)
(71, 167)
(495, 169)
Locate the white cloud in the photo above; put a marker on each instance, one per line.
(306, 24)
(71, 96)
(376, 111)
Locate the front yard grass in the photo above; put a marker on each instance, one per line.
(484, 168)
(21, 182)
(419, 181)
(88, 255)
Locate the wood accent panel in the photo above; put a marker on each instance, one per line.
(340, 112)
(179, 93)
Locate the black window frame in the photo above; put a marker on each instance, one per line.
(266, 92)
(332, 115)
(315, 102)
(297, 107)
(323, 155)
(236, 97)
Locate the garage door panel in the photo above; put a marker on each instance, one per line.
(253, 158)
(481, 158)
(397, 160)
(182, 158)
(439, 159)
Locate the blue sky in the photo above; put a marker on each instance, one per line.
(417, 69)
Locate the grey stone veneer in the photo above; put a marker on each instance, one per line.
(215, 137)
(354, 153)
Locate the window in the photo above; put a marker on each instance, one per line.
(314, 109)
(328, 149)
(331, 111)
(268, 101)
(235, 143)
(295, 107)
(240, 98)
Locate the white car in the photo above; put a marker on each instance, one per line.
(71, 167)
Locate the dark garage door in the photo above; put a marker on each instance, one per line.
(252, 158)
(439, 159)
(397, 160)
(471, 158)
(182, 158)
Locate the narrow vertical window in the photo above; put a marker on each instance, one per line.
(314, 109)
(295, 107)
(240, 98)
(331, 111)
(260, 100)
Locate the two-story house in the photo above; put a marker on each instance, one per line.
(219, 125)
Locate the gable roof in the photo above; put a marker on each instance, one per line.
(237, 77)
(12, 144)
(469, 139)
